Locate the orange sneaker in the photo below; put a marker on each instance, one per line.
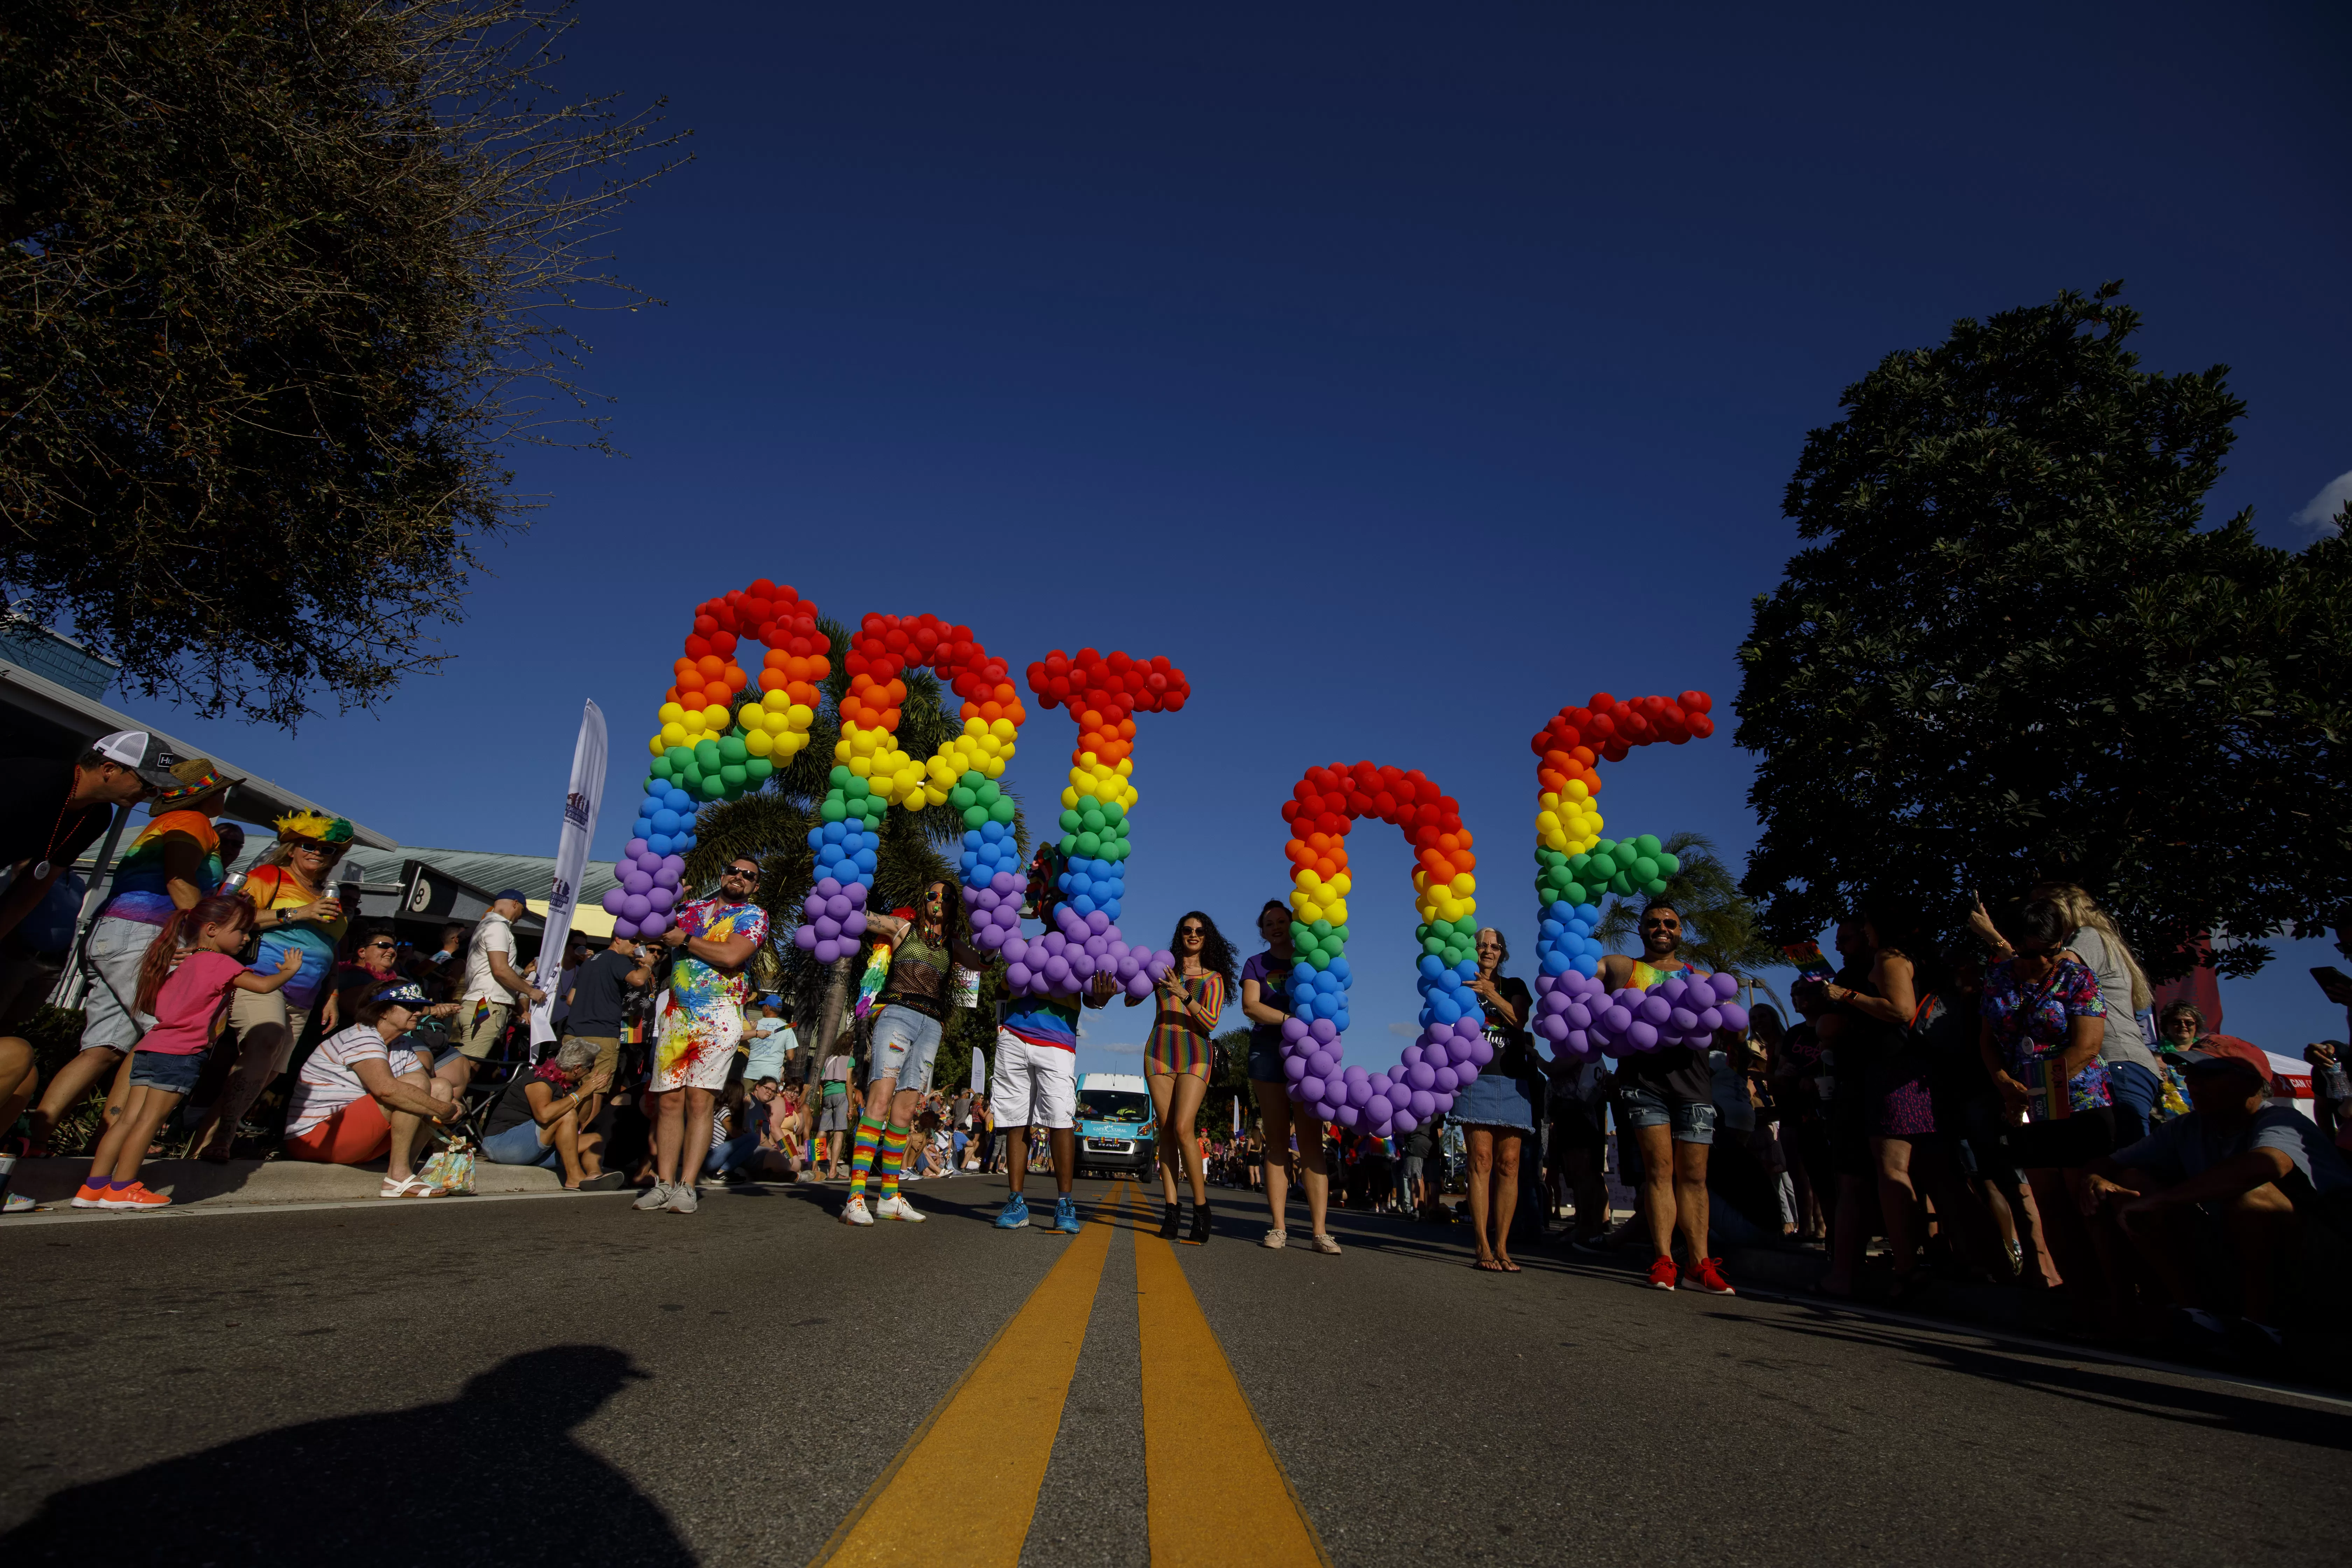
(137, 1197)
(92, 1195)
(1661, 1274)
(1708, 1277)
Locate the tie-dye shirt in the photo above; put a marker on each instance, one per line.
(140, 891)
(694, 983)
(274, 888)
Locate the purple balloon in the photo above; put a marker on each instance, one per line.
(827, 949)
(624, 926)
(1310, 1090)
(612, 900)
(653, 925)
(635, 881)
(1346, 1115)
(1139, 987)
(1294, 1029)
(1293, 1068)
(855, 924)
(1403, 1122)
(1016, 974)
(1641, 1036)
(633, 907)
(636, 847)
(661, 899)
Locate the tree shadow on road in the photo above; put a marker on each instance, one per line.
(492, 1475)
(2213, 1405)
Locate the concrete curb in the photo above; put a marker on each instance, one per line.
(243, 1184)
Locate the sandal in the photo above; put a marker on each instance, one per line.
(407, 1187)
(1508, 1267)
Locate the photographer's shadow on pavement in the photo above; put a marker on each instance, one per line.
(492, 1475)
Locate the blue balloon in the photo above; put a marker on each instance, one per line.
(660, 843)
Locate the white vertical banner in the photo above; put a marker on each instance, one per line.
(980, 1069)
(581, 799)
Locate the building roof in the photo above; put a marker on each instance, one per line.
(36, 702)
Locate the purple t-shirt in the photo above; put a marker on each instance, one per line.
(1276, 991)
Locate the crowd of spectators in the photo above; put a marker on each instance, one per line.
(2010, 1109)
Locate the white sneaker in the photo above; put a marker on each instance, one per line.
(854, 1211)
(681, 1199)
(653, 1197)
(1277, 1239)
(897, 1207)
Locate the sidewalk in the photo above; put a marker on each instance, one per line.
(258, 1183)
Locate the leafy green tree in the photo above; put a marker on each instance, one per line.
(2015, 654)
(280, 286)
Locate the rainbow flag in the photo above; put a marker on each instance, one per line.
(877, 970)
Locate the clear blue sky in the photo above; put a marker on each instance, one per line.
(1402, 373)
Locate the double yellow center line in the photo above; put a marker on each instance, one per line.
(1212, 1476)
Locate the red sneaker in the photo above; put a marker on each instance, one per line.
(92, 1195)
(137, 1197)
(1708, 1278)
(1662, 1274)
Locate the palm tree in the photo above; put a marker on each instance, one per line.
(1719, 925)
(773, 824)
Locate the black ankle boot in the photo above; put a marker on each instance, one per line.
(1171, 1222)
(1199, 1222)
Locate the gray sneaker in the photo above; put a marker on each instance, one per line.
(653, 1197)
(681, 1199)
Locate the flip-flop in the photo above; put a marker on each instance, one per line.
(1487, 1264)
(408, 1187)
(1510, 1267)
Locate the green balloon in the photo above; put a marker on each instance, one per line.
(1644, 870)
(988, 792)
(963, 798)
(1087, 843)
(1648, 844)
(832, 810)
(1621, 885)
(661, 766)
(758, 769)
(840, 776)
(856, 788)
(974, 815)
(1002, 811)
(1069, 844)
(1114, 811)
(713, 786)
(706, 752)
(1071, 820)
(1669, 864)
(732, 750)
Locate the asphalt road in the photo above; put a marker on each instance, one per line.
(568, 1381)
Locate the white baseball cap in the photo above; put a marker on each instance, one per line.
(143, 754)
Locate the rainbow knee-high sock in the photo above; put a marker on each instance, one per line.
(894, 1159)
(861, 1158)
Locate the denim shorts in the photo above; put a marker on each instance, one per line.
(1265, 1064)
(1692, 1120)
(905, 1041)
(167, 1071)
(520, 1145)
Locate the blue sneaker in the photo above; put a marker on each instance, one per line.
(1015, 1216)
(1065, 1215)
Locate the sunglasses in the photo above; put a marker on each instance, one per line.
(366, 945)
(1188, 931)
(748, 874)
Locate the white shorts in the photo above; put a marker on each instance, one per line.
(1031, 1086)
(697, 1050)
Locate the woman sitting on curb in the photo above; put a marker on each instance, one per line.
(537, 1120)
(361, 1096)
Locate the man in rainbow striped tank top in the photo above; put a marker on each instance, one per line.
(1665, 1100)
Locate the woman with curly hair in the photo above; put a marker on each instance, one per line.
(1180, 1054)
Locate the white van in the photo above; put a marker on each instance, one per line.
(1116, 1131)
